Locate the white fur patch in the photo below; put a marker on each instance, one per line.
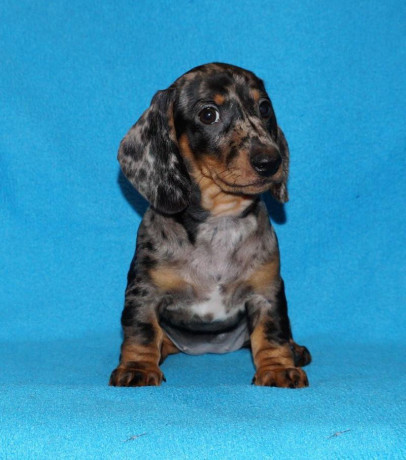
(213, 306)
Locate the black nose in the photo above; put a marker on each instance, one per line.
(264, 164)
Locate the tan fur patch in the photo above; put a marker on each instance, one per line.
(264, 277)
(227, 180)
(220, 203)
(215, 200)
(274, 363)
(139, 364)
(131, 351)
(171, 123)
(219, 99)
(255, 95)
(167, 279)
(168, 348)
(188, 155)
(269, 355)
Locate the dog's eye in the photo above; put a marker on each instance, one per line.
(209, 115)
(265, 108)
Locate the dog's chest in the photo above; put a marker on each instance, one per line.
(208, 315)
(214, 268)
(220, 240)
(212, 319)
(217, 244)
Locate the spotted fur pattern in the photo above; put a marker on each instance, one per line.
(206, 273)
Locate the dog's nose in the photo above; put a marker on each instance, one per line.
(264, 164)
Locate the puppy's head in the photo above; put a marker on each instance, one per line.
(215, 121)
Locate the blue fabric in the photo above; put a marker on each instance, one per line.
(74, 77)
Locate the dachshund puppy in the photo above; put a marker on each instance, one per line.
(205, 277)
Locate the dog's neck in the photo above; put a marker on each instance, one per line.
(210, 205)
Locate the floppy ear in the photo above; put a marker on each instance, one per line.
(150, 158)
(280, 191)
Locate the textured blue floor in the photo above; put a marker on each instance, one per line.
(55, 402)
(74, 76)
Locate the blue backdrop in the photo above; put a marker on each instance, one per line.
(74, 77)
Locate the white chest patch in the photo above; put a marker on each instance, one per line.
(213, 306)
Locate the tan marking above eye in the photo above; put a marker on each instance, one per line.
(255, 95)
(219, 99)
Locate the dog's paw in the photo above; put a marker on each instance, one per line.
(301, 355)
(290, 377)
(138, 375)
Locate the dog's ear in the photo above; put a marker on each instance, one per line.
(150, 159)
(280, 190)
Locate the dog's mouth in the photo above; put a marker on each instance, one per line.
(252, 188)
(238, 181)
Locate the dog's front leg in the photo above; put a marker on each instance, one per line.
(141, 348)
(271, 342)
